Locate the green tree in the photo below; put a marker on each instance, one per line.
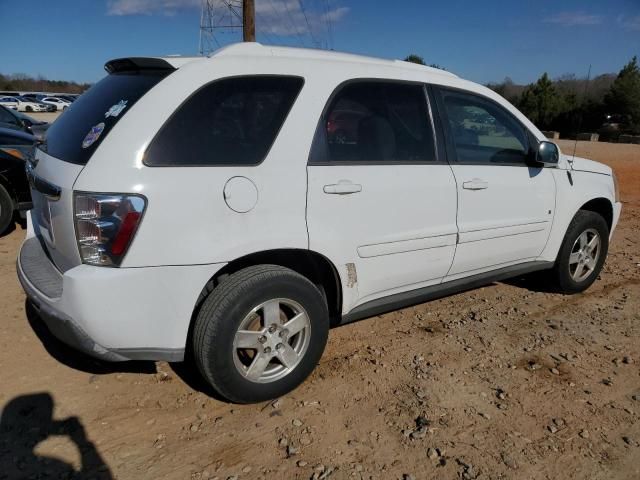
(541, 102)
(623, 97)
(413, 58)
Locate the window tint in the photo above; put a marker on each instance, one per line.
(376, 122)
(233, 121)
(483, 132)
(6, 117)
(115, 93)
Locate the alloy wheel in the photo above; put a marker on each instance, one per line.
(584, 255)
(271, 340)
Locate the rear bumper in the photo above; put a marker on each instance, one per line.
(114, 314)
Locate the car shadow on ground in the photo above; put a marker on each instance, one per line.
(25, 422)
(77, 360)
(534, 282)
(187, 371)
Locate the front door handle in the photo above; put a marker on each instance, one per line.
(343, 187)
(475, 184)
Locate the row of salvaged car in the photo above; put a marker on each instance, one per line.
(18, 134)
(33, 102)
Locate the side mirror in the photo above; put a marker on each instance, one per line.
(548, 154)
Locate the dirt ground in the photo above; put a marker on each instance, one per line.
(502, 382)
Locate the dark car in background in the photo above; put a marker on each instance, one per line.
(22, 122)
(15, 195)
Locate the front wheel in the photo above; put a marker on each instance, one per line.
(260, 333)
(582, 254)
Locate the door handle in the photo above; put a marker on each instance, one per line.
(343, 187)
(475, 184)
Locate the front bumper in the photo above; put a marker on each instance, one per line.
(114, 314)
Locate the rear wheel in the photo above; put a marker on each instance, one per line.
(260, 333)
(29, 108)
(6, 210)
(582, 253)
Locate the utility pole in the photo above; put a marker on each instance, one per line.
(248, 21)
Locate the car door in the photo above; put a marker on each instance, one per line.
(506, 201)
(381, 205)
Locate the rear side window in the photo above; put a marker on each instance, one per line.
(375, 122)
(76, 134)
(233, 121)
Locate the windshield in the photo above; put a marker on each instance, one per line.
(74, 136)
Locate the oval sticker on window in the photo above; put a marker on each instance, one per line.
(93, 135)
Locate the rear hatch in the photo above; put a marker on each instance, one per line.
(70, 143)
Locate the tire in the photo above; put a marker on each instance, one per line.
(29, 109)
(6, 210)
(585, 225)
(259, 301)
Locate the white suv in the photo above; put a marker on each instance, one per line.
(231, 209)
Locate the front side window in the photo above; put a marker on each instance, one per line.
(375, 122)
(233, 121)
(482, 131)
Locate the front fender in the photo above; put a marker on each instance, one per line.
(575, 189)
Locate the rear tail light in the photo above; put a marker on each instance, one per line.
(105, 226)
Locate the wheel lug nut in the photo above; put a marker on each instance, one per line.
(262, 339)
(267, 350)
(284, 333)
(272, 328)
(279, 346)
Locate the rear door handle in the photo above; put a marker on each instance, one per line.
(475, 184)
(343, 187)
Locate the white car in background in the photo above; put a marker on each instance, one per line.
(202, 207)
(26, 104)
(9, 102)
(55, 101)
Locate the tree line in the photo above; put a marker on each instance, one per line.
(608, 104)
(22, 82)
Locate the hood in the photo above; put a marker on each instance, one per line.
(586, 165)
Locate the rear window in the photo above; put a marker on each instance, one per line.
(77, 133)
(233, 121)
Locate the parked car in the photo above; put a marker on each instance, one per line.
(37, 128)
(41, 107)
(59, 103)
(22, 122)
(9, 102)
(205, 195)
(15, 196)
(67, 98)
(26, 104)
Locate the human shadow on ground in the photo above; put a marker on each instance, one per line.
(76, 359)
(25, 422)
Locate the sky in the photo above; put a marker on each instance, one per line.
(482, 40)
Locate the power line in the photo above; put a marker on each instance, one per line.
(327, 19)
(308, 25)
(293, 24)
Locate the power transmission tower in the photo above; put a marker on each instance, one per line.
(224, 17)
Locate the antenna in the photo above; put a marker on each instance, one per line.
(584, 97)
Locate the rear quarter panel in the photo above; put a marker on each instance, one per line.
(187, 220)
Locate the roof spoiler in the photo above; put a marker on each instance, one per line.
(137, 64)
